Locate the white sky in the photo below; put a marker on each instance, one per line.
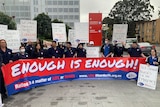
(104, 6)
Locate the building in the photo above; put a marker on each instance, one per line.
(67, 11)
(148, 31)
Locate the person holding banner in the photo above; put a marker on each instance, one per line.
(118, 49)
(29, 49)
(21, 54)
(6, 58)
(61, 47)
(135, 51)
(54, 51)
(38, 52)
(81, 52)
(69, 52)
(107, 49)
(153, 58)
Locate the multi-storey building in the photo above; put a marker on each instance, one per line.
(67, 11)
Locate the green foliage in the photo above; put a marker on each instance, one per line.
(7, 20)
(43, 26)
(132, 10)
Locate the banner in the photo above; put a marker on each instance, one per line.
(93, 52)
(95, 28)
(81, 32)
(28, 30)
(59, 32)
(147, 76)
(12, 38)
(120, 32)
(72, 39)
(3, 28)
(25, 74)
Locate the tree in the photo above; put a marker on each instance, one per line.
(132, 10)
(44, 26)
(7, 20)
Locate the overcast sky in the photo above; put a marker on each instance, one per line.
(105, 6)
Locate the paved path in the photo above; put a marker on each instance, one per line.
(97, 93)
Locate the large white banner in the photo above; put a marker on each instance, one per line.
(28, 30)
(93, 52)
(72, 39)
(3, 29)
(120, 32)
(147, 76)
(82, 32)
(12, 38)
(59, 32)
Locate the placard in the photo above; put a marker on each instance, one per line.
(72, 39)
(120, 32)
(93, 52)
(28, 30)
(12, 38)
(147, 76)
(59, 32)
(82, 32)
(3, 28)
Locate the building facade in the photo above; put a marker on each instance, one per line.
(67, 11)
(148, 31)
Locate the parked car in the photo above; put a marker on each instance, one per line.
(146, 48)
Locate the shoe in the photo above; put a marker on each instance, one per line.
(4, 96)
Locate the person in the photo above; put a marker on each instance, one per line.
(91, 44)
(6, 58)
(69, 52)
(54, 51)
(80, 51)
(61, 47)
(38, 52)
(106, 49)
(153, 58)
(29, 49)
(118, 49)
(21, 54)
(135, 51)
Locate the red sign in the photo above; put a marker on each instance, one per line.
(95, 28)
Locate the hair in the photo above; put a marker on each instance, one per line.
(134, 42)
(54, 41)
(3, 40)
(79, 45)
(69, 43)
(21, 46)
(154, 51)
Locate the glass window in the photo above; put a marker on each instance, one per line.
(49, 9)
(70, 2)
(76, 10)
(17, 14)
(60, 17)
(60, 3)
(76, 2)
(70, 9)
(76, 16)
(65, 16)
(65, 9)
(49, 2)
(54, 2)
(55, 17)
(65, 2)
(54, 9)
(60, 10)
(71, 17)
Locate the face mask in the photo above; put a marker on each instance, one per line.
(22, 50)
(106, 42)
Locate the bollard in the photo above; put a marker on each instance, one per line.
(1, 104)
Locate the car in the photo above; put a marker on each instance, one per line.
(146, 48)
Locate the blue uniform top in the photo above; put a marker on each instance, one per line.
(61, 48)
(106, 49)
(20, 56)
(69, 52)
(81, 52)
(135, 52)
(151, 59)
(7, 55)
(40, 54)
(54, 52)
(29, 50)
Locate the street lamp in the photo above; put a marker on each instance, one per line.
(4, 7)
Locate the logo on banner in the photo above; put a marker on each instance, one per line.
(131, 75)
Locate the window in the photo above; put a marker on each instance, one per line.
(71, 17)
(76, 2)
(60, 10)
(49, 9)
(70, 2)
(76, 17)
(54, 2)
(35, 2)
(60, 17)
(65, 16)
(59, 2)
(35, 9)
(70, 9)
(17, 14)
(54, 9)
(65, 9)
(76, 10)
(65, 2)
(49, 2)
